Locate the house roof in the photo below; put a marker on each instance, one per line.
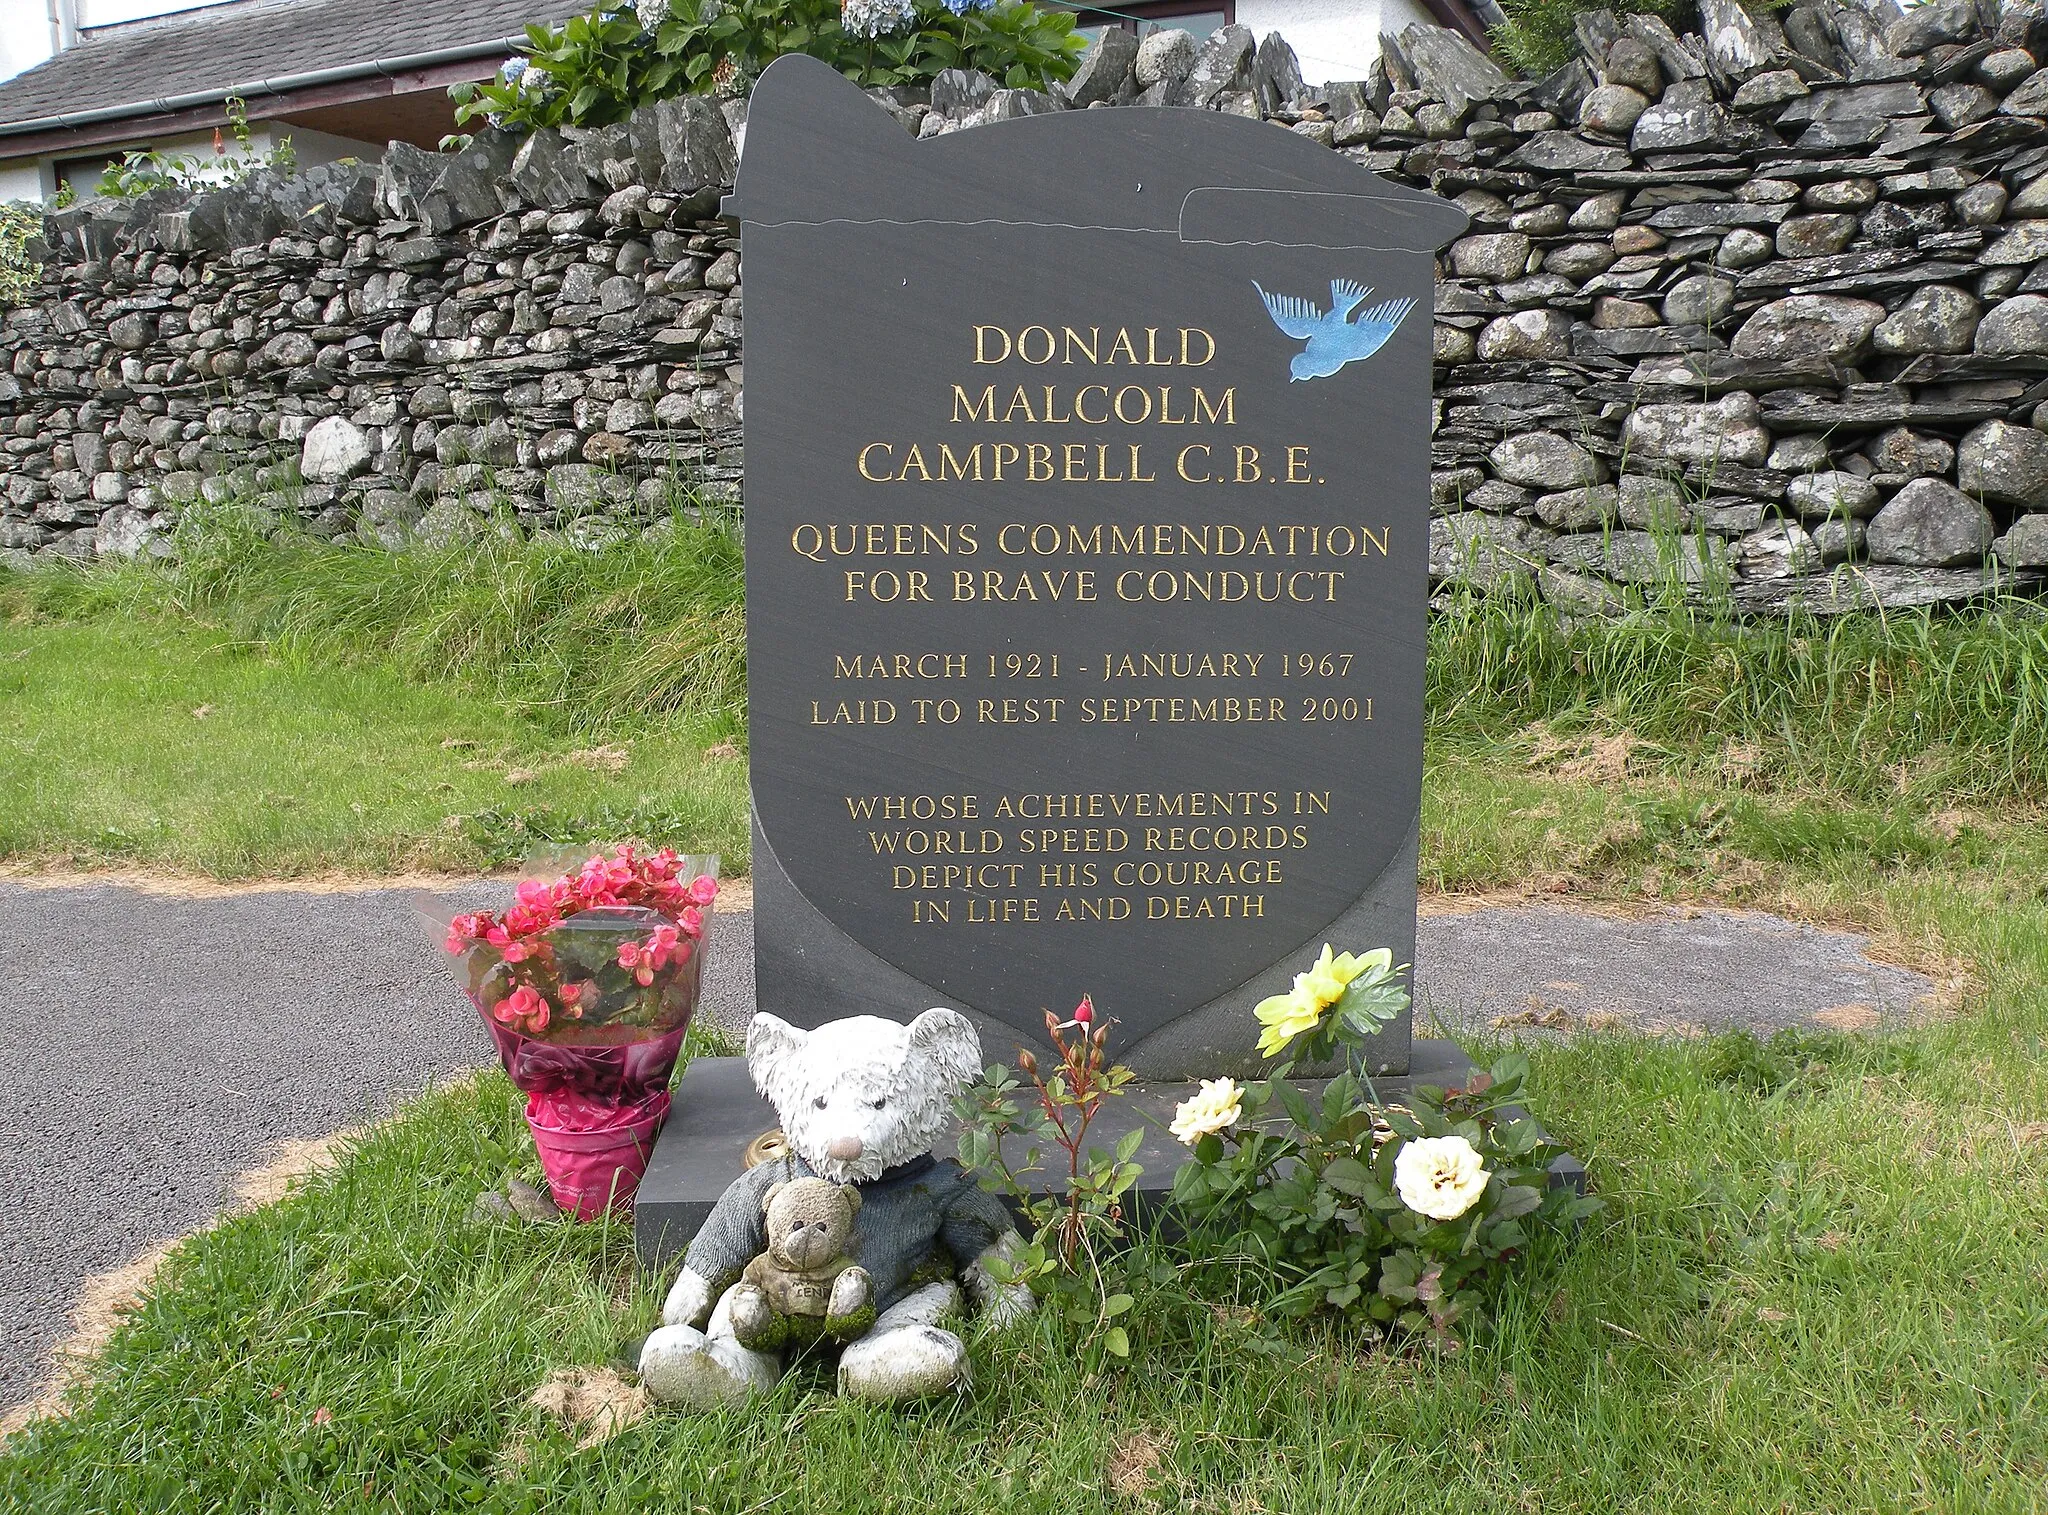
(145, 64)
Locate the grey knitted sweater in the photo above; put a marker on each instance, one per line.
(906, 1216)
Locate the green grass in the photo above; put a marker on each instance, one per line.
(1819, 1286)
(1919, 701)
(583, 640)
(299, 767)
(368, 710)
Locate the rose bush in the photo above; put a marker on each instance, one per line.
(1384, 1214)
(1072, 1260)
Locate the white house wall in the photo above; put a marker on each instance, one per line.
(21, 179)
(1334, 39)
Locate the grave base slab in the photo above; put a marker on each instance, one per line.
(717, 1113)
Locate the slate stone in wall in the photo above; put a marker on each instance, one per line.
(1929, 524)
(2005, 463)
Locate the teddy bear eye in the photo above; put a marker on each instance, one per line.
(880, 1103)
(819, 1102)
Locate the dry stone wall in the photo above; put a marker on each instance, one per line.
(1763, 308)
(545, 333)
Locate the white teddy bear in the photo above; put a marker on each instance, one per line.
(861, 1102)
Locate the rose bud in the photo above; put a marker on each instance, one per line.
(1028, 1063)
(1085, 1011)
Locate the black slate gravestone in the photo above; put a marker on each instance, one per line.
(1087, 538)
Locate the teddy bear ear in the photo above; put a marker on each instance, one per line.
(852, 1198)
(774, 1189)
(773, 1045)
(948, 1041)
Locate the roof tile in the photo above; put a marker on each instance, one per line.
(245, 40)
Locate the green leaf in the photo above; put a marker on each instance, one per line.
(1518, 1200)
(1115, 1305)
(1348, 1175)
(1117, 1342)
(1296, 1105)
(1127, 1146)
(1398, 1274)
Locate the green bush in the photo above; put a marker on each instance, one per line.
(19, 273)
(599, 68)
(1538, 37)
(144, 169)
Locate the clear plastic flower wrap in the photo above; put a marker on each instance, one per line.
(587, 984)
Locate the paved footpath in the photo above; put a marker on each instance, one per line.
(153, 1046)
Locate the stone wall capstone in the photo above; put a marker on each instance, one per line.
(1763, 308)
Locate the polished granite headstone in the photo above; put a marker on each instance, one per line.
(1087, 541)
(1087, 568)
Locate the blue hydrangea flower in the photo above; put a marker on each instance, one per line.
(962, 7)
(877, 18)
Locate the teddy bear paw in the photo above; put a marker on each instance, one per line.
(680, 1365)
(754, 1321)
(851, 1310)
(913, 1362)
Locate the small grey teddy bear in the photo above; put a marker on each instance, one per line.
(804, 1287)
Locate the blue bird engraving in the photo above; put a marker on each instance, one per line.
(1333, 340)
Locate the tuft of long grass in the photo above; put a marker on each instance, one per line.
(597, 644)
(1860, 704)
(636, 631)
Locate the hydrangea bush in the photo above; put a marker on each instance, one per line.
(599, 68)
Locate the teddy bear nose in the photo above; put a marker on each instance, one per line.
(845, 1148)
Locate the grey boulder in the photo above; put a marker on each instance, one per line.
(1545, 460)
(1727, 430)
(2014, 328)
(1935, 318)
(1492, 256)
(2026, 545)
(2004, 462)
(1700, 300)
(1930, 524)
(1828, 327)
(1816, 496)
(1105, 69)
(333, 450)
(1527, 334)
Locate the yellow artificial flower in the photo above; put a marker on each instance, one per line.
(1216, 1105)
(1284, 1017)
(1301, 1009)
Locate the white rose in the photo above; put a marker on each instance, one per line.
(1215, 1105)
(1439, 1176)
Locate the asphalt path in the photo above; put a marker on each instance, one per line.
(154, 1046)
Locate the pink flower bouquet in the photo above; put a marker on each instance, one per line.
(587, 985)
